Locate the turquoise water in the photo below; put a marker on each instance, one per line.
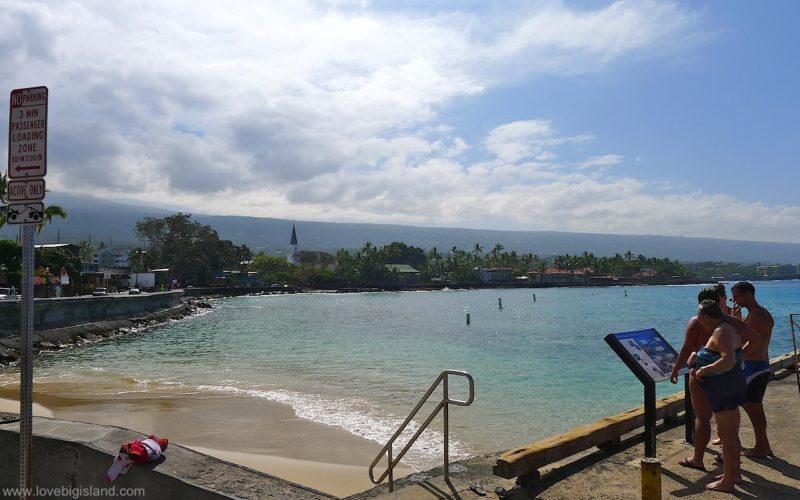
(362, 361)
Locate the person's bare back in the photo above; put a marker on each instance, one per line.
(760, 320)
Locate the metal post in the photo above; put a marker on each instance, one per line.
(688, 411)
(651, 479)
(446, 428)
(794, 345)
(26, 364)
(650, 420)
(391, 469)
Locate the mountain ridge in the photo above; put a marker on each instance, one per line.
(94, 219)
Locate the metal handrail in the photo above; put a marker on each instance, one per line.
(443, 404)
(793, 323)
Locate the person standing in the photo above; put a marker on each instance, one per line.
(717, 367)
(755, 364)
(723, 298)
(695, 337)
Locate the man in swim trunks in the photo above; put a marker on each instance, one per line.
(755, 363)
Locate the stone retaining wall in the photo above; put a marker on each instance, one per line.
(58, 338)
(69, 311)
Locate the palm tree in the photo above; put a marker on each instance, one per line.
(496, 251)
(50, 211)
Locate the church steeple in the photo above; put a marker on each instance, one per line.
(292, 258)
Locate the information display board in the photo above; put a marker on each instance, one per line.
(651, 359)
(646, 353)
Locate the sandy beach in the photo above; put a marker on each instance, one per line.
(12, 406)
(256, 433)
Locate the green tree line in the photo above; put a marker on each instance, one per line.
(195, 254)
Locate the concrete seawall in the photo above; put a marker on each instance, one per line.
(69, 460)
(54, 313)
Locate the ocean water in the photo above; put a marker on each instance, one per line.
(362, 361)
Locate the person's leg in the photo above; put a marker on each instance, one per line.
(702, 421)
(762, 448)
(728, 428)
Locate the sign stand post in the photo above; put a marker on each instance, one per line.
(26, 364)
(650, 420)
(651, 359)
(27, 166)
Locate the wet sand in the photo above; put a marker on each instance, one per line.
(257, 433)
(12, 406)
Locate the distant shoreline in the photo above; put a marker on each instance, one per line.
(605, 283)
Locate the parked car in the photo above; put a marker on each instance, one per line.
(134, 291)
(100, 291)
(8, 294)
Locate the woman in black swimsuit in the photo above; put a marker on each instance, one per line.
(717, 367)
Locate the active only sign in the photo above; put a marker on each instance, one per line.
(26, 190)
(27, 133)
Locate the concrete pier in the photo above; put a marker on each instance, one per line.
(615, 474)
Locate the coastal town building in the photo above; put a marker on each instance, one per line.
(495, 275)
(408, 275)
(646, 273)
(69, 247)
(777, 271)
(108, 258)
(553, 276)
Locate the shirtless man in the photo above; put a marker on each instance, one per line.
(755, 363)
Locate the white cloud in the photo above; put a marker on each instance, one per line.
(601, 161)
(332, 110)
(527, 139)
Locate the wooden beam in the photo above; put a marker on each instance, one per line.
(529, 458)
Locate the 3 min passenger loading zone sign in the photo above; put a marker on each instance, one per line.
(27, 155)
(27, 133)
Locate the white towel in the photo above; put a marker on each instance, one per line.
(122, 463)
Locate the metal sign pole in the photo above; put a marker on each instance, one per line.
(26, 364)
(650, 420)
(27, 166)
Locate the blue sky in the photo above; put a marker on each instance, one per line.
(639, 117)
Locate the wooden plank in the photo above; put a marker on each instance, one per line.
(529, 458)
(785, 362)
